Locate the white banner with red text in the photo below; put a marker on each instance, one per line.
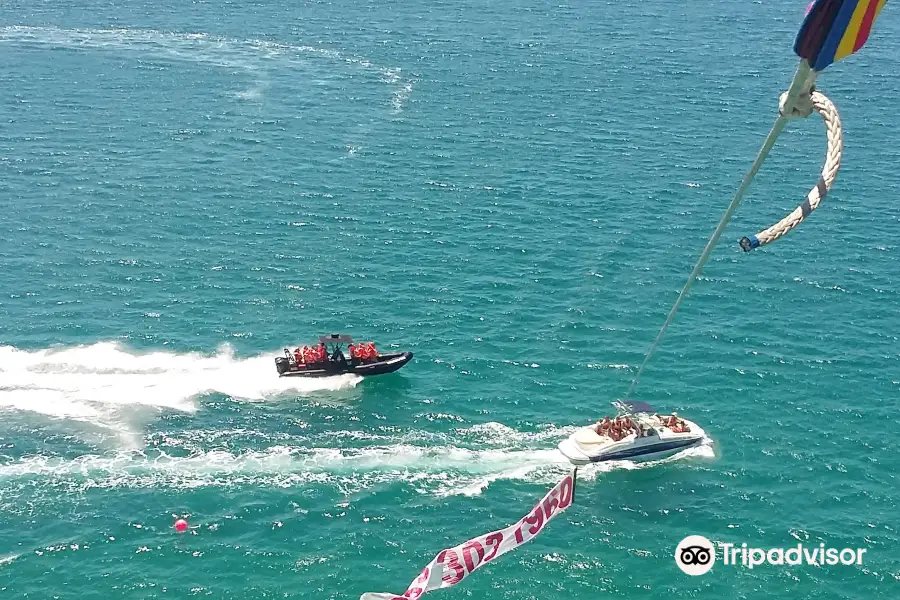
(452, 565)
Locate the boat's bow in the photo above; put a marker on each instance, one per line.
(386, 363)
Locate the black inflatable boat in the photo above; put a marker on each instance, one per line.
(337, 363)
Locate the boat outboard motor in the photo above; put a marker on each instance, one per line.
(283, 364)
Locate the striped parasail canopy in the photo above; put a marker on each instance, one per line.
(835, 29)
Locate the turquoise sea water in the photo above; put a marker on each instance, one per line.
(515, 192)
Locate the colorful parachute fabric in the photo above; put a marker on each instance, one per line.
(835, 29)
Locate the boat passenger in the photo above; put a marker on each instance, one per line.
(354, 353)
(615, 432)
(309, 354)
(676, 424)
(322, 352)
(298, 356)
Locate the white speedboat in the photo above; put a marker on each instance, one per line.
(650, 438)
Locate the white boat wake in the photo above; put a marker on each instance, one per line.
(109, 386)
(444, 467)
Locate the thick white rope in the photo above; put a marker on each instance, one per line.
(821, 104)
(795, 103)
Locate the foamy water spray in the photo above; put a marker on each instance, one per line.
(442, 469)
(105, 384)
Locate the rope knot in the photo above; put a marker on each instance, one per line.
(802, 108)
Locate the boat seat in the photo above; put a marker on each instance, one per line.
(589, 436)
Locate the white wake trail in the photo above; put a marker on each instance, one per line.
(101, 383)
(442, 469)
(253, 56)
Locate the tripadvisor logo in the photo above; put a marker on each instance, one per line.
(696, 555)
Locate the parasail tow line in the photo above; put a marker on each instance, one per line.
(831, 30)
(798, 101)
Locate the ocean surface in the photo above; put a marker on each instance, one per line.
(514, 191)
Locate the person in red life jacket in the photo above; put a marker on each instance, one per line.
(373, 353)
(298, 356)
(354, 353)
(322, 352)
(309, 355)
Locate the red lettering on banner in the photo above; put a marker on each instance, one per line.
(458, 571)
(566, 488)
(559, 498)
(459, 561)
(493, 541)
(551, 503)
(536, 520)
(415, 591)
(467, 554)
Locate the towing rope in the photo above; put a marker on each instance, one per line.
(805, 105)
(798, 102)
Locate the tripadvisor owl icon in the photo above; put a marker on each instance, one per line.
(695, 555)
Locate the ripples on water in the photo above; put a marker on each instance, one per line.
(515, 193)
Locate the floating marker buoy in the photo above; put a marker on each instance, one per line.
(180, 525)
